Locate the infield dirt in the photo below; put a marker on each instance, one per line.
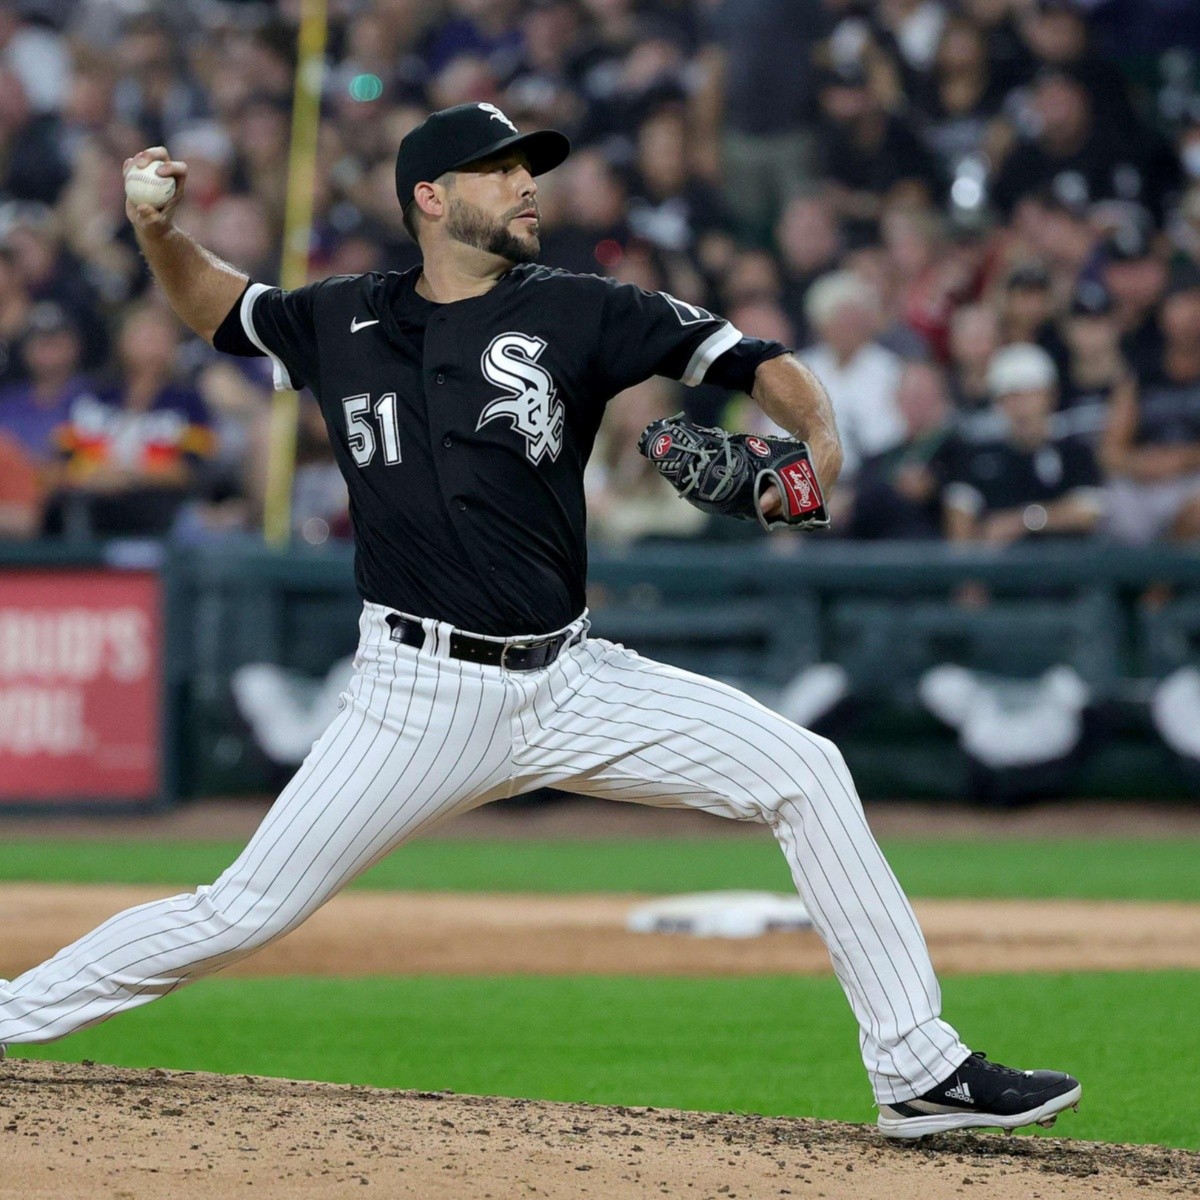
(73, 1131)
(448, 933)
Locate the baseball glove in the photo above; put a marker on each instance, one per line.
(728, 473)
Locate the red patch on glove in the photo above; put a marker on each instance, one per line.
(802, 494)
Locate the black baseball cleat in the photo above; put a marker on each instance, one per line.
(982, 1094)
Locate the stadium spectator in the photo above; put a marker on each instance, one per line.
(810, 245)
(1028, 309)
(916, 28)
(14, 314)
(974, 339)
(131, 451)
(239, 229)
(873, 264)
(762, 317)
(733, 153)
(36, 55)
(1026, 483)
(89, 102)
(484, 29)
(320, 502)
(32, 166)
(1186, 227)
(1075, 158)
(669, 204)
(156, 92)
(20, 492)
(50, 272)
(260, 138)
(1152, 445)
(1135, 274)
(753, 276)
(595, 229)
(208, 151)
(930, 279)
(539, 90)
(628, 500)
(236, 394)
(860, 375)
(1056, 33)
(32, 410)
(898, 492)
(959, 101)
(1063, 237)
(872, 158)
(1007, 52)
(1096, 368)
(97, 235)
(761, 55)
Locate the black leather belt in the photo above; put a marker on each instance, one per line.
(531, 655)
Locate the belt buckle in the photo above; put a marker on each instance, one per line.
(538, 644)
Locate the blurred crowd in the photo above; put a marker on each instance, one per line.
(977, 220)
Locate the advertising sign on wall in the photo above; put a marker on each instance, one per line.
(80, 670)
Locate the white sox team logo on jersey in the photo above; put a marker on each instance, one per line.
(532, 405)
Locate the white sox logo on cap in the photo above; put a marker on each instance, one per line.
(532, 405)
(496, 115)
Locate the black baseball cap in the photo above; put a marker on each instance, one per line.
(454, 137)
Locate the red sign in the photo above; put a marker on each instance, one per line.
(80, 669)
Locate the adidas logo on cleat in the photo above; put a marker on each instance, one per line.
(961, 1093)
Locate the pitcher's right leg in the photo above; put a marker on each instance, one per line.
(417, 738)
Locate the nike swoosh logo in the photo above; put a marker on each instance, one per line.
(356, 325)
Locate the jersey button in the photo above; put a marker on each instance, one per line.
(440, 377)
(447, 441)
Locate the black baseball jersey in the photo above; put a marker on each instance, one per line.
(463, 429)
(990, 477)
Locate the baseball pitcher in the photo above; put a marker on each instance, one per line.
(462, 400)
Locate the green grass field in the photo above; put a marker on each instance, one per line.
(1111, 869)
(774, 1045)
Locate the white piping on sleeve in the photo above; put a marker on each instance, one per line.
(709, 351)
(283, 379)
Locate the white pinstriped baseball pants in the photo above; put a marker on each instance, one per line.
(421, 736)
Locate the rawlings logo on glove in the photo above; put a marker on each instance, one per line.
(727, 473)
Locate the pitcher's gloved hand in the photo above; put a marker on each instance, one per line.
(734, 473)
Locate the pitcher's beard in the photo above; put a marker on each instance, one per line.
(473, 227)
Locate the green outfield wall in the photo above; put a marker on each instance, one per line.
(755, 613)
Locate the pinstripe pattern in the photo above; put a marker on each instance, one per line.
(420, 736)
(607, 722)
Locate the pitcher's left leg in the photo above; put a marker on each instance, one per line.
(611, 723)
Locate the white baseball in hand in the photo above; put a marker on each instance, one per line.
(144, 185)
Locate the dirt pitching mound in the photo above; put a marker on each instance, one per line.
(74, 1131)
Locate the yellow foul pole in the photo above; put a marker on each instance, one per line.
(297, 236)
